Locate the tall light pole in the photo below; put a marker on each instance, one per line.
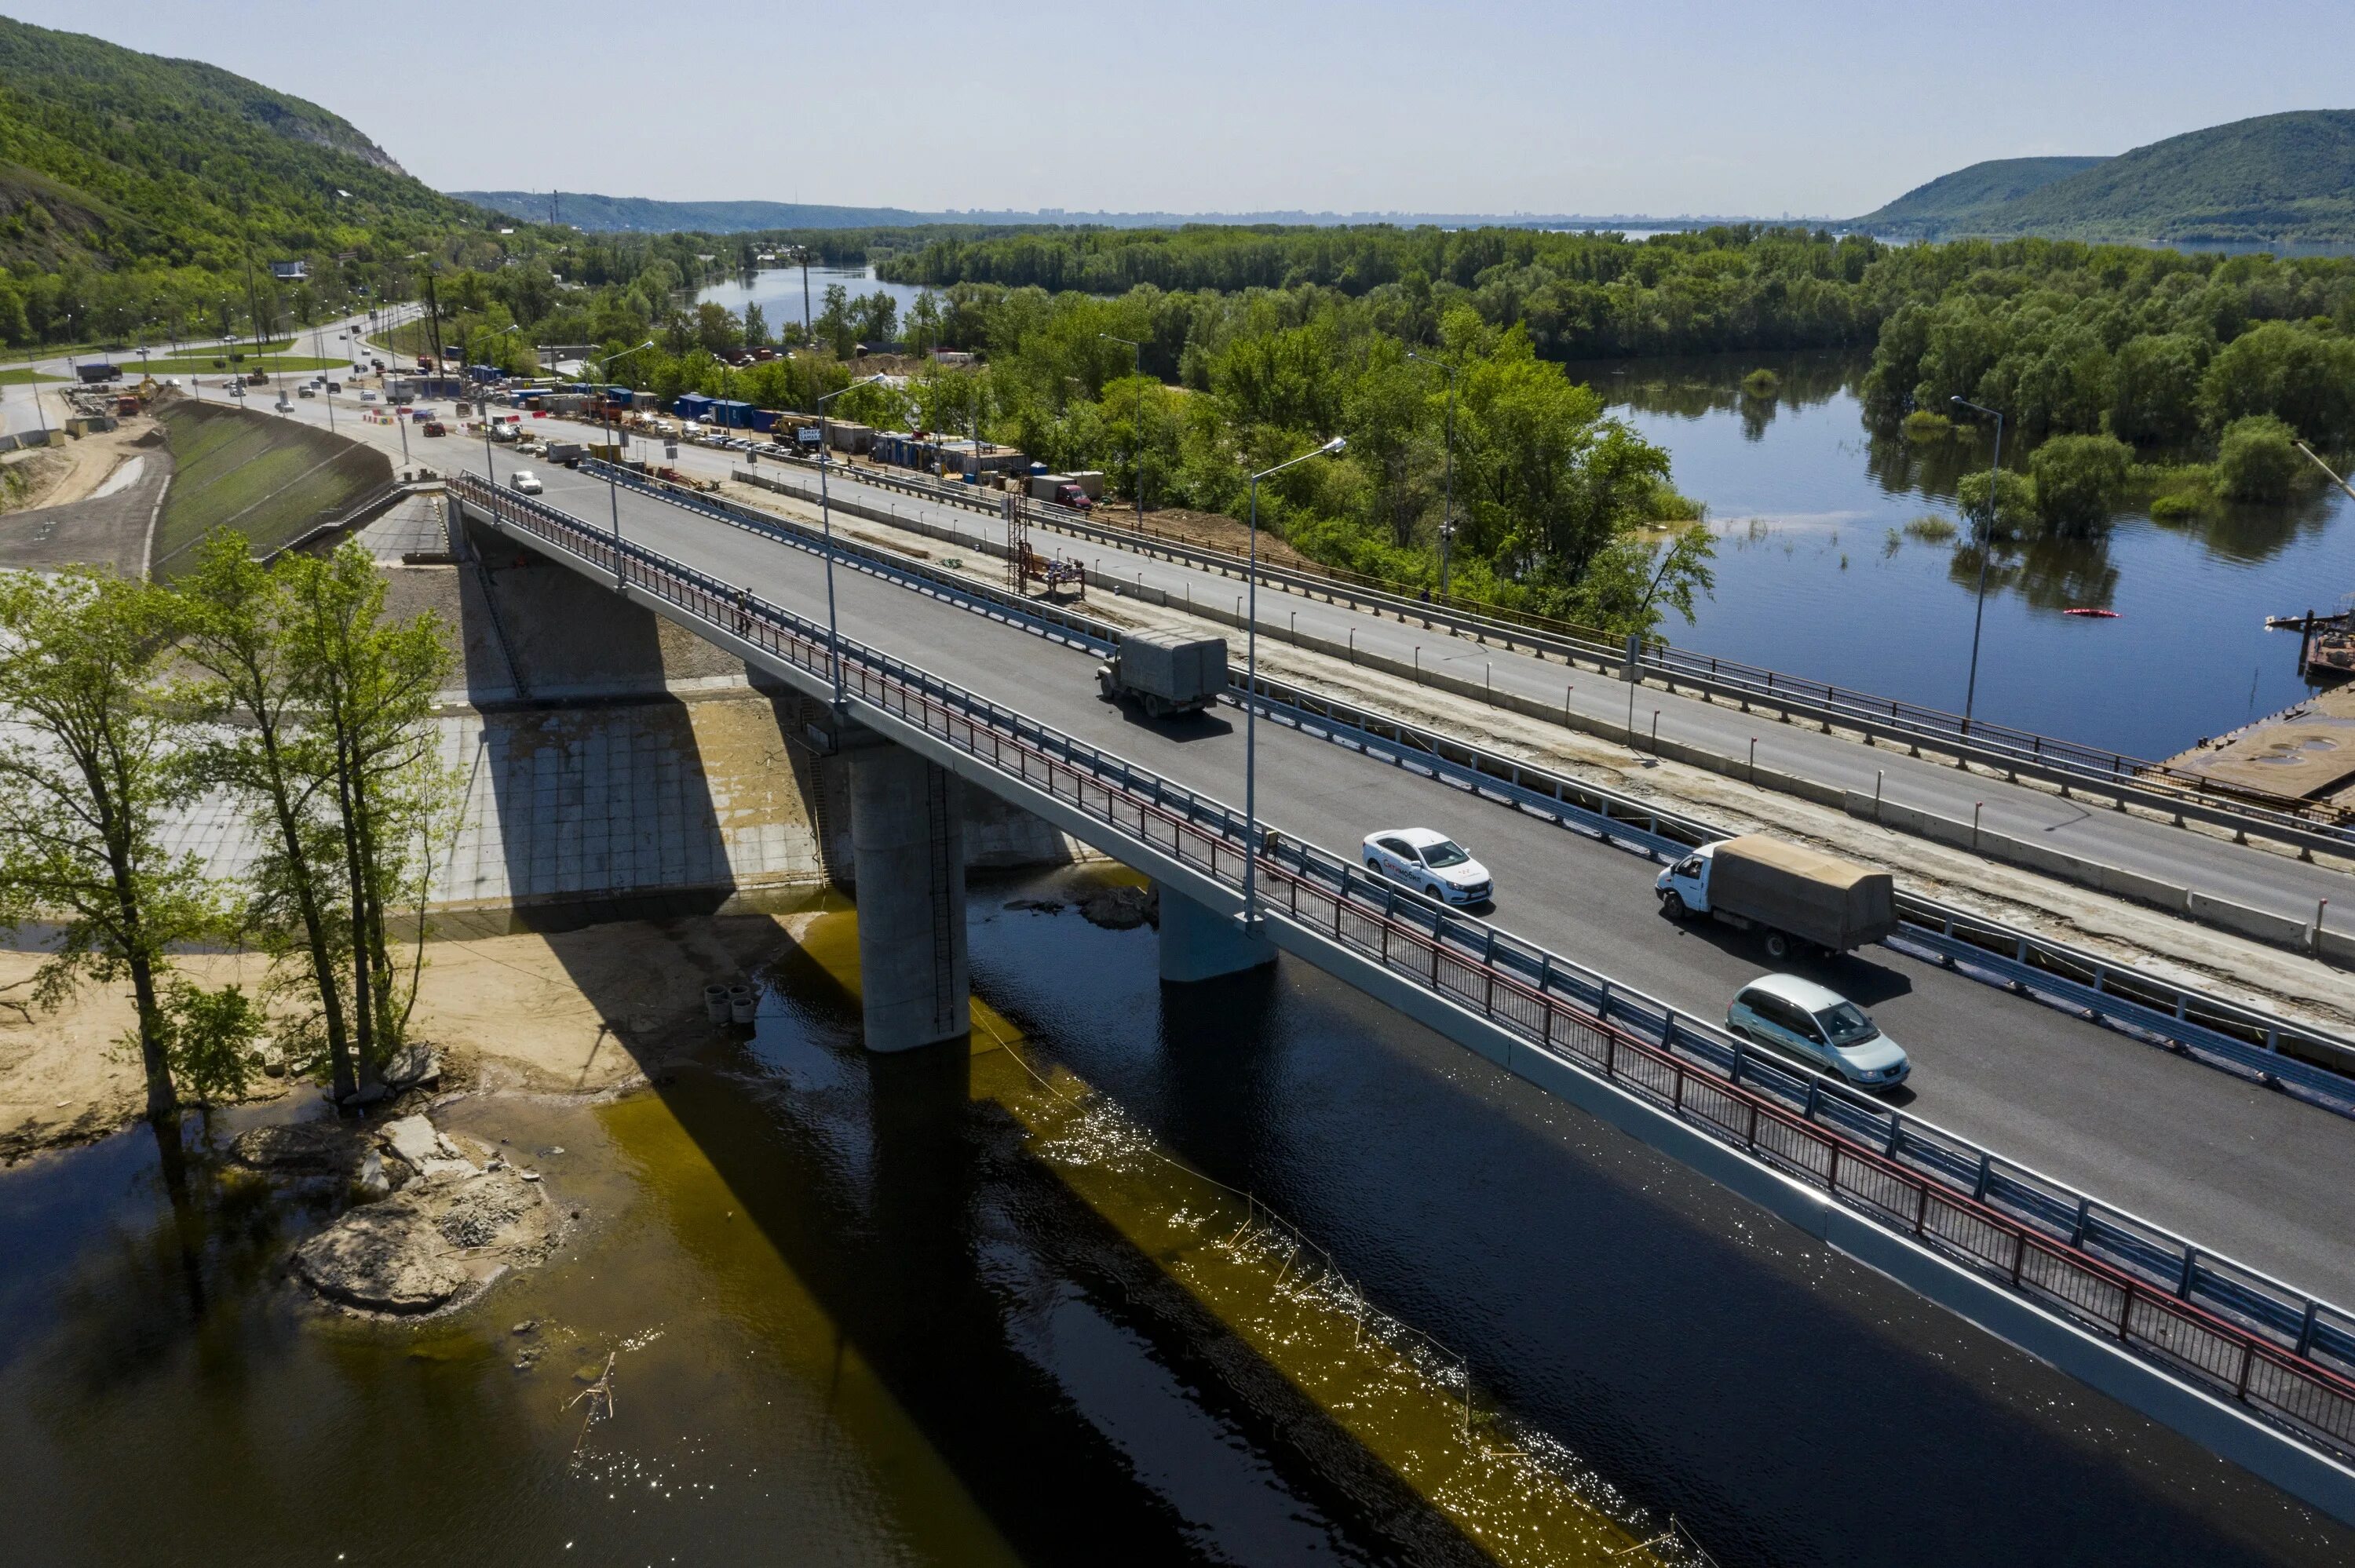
(1136, 431)
(487, 474)
(1250, 694)
(613, 480)
(1447, 500)
(1986, 548)
(825, 523)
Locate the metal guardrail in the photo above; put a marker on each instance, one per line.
(2240, 1334)
(2274, 1050)
(2306, 824)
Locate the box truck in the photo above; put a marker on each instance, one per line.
(1793, 894)
(1165, 672)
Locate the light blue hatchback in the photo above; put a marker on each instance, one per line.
(1818, 1026)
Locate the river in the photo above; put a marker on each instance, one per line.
(1816, 574)
(1035, 1304)
(778, 291)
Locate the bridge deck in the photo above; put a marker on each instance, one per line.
(2255, 1174)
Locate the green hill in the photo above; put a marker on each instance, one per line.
(2279, 178)
(114, 158)
(1966, 194)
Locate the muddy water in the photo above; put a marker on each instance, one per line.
(1148, 1275)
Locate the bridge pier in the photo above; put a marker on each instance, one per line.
(907, 834)
(1199, 944)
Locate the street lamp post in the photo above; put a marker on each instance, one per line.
(1986, 548)
(1447, 499)
(1251, 696)
(488, 474)
(825, 523)
(612, 479)
(1136, 431)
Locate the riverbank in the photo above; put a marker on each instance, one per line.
(589, 1012)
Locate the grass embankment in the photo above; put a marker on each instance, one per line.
(270, 479)
(211, 363)
(21, 376)
(118, 353)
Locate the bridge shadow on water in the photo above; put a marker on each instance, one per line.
(1789, 1405)
(1091, 1407)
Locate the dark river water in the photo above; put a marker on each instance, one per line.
(1152, 1274)
(1816, 574)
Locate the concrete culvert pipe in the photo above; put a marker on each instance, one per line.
(715, 1003)
(740, 1003)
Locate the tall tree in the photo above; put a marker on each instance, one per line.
(366, 685)
(86, 775)
(262, 746)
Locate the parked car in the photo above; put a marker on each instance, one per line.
(1431, 862)
(525, 481)
(1820, 1027)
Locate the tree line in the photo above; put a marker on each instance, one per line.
(287, 690)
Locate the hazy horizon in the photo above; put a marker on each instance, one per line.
(1818, 108)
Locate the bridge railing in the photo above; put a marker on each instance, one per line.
(2283, 1355)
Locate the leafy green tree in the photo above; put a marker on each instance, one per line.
(2258, 459)
(2015, 508)
(2079, 481)
(86, 776)
(366, 686)
(1636, 579)
(2155, 390)
(262, 747)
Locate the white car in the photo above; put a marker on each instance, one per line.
(1820, 1027)
(1430, 862)
(367, 396)
(524, 480)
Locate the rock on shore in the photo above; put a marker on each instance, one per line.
(452, 1228)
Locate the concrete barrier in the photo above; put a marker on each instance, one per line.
(2147, 890)
(2279, 930)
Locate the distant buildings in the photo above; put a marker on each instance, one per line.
(289, 272)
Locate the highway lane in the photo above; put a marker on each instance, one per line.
(2252, 876)
(2255, 1175)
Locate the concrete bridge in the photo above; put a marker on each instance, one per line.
(926, 698)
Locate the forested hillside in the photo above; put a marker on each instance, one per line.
(2277, 179)
(115, 163)
(1952, 204)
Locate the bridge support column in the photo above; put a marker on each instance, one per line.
(907, 835)
(1199, 944)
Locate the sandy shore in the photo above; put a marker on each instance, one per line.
(587, 1011)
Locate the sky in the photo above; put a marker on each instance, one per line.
(1803, 107)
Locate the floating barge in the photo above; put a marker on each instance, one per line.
(2326, 654)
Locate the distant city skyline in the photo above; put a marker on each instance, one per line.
(1814, 108)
